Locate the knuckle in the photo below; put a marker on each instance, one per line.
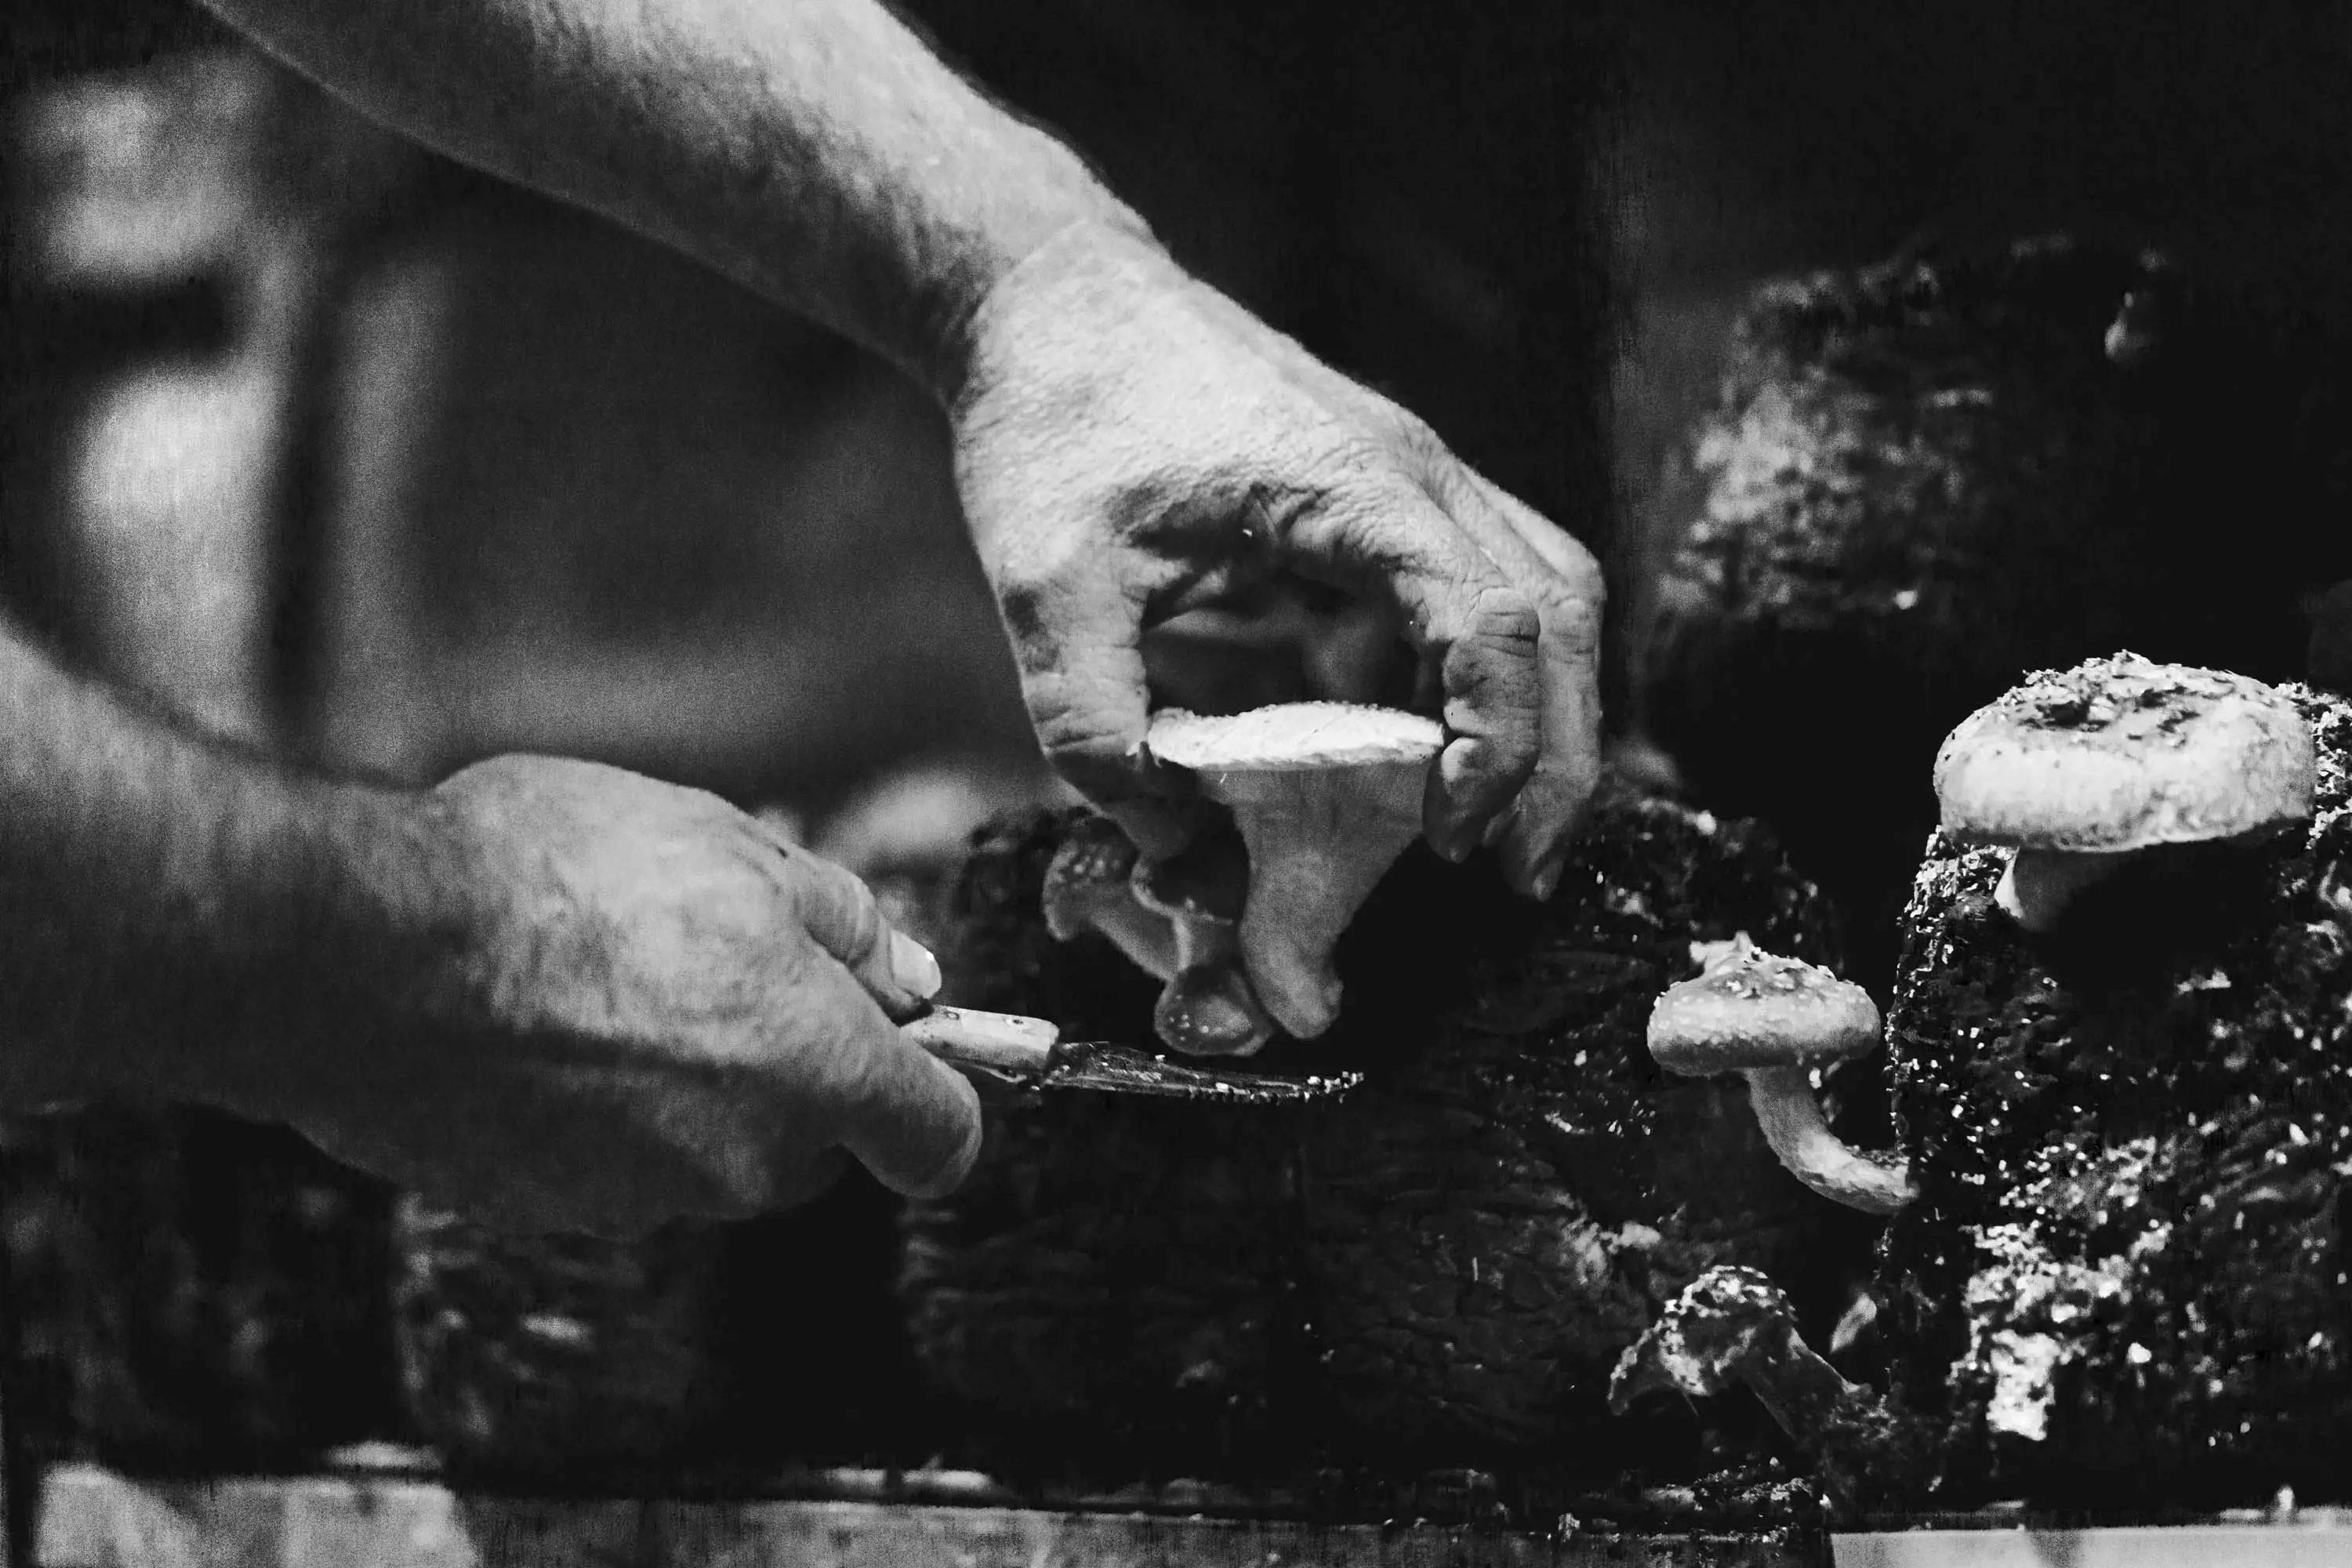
(1030, 603)
(837, 907)
(862, 935)
(1572, 622)
(1054, 570)
(1502, 615)
(1081, 733)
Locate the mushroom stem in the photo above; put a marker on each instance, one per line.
(1149, 939)
(1791, 1119)
(2040, 883)
(1207, 1008)
(1318, 844)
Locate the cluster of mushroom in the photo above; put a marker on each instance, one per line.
(1326, 795)
(2078, 771)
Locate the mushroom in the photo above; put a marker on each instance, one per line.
(1327, 796)
(1207, 1008)
(1176, 920)
(1088, 889)
(1732, 1327)
(2085, 770)
(1773, 1020)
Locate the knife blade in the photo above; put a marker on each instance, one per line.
(1032, 1052)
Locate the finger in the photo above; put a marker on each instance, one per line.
(838, 909)
(1565, 585)
(1077, 640)
(906, 1116)
(1477, 632)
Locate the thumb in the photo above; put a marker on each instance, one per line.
(911, 1120)
(906, 1116)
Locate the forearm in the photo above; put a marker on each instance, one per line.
(813, 150)
(177, 918)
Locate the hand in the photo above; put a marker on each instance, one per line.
(647, 1005)
(1133, 450)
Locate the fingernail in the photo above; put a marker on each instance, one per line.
(1547, 883)
(912, 965)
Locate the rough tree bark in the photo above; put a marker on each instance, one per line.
(1440, 1270)
(2125, 1283)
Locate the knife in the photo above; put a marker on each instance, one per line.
(1032, 1052)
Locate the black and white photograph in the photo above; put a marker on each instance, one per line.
(1175, 784)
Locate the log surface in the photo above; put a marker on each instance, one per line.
(1439, 1270)
(1925, 477)
(2128, 1278)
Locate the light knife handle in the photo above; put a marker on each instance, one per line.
(997, 1042)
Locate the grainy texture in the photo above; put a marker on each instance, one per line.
(191, 1291)
(2118, 754)
(94, 1520)
(1921, 479)
(2126, 1281)
(1439, 1270)
(539, 1356)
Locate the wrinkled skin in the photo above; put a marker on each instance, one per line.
(649, 1004)
(1177, 503)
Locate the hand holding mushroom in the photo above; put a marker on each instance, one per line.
(1133, 448)
(1325, 795)
(1180, 507)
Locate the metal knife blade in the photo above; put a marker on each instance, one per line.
(1031, 1051)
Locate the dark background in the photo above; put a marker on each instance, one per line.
(524, 482)
(641, 516)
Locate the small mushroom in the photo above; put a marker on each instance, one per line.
(1176, 919)
(1732, 1327)
(1088, 889)
(1207, 1008)
(2084, 770)
(1327, 796)
(1774, 1020)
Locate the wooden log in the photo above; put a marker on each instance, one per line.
(92, 1518)
(1439, 1269)
(192, 1291)
(547, 1355)
(2124, 1283)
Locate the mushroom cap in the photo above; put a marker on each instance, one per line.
(1751, 1009)
(1293, 737)
(2123, 753)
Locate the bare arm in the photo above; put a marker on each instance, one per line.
(1128, 444)
(812, 150)
(166, 902)
(553, 995)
